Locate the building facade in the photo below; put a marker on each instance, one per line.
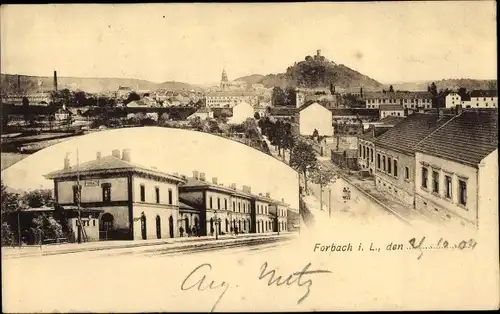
(315, 117)
(392, 110)
(409, 100)
(394, 154)
(225, 209)
(456, 175)
(135, 202)
(482, 99)
(229, 99)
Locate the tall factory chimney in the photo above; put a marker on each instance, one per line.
(55, 80)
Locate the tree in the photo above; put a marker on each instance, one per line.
(38, 198)
(303, 159)
(10, 204)
(322, 176)
(315, 133)
(391, 89)
(80, 98)
(462, 91)
(278, 97)
(256, 115)
(133, 96)
(163, 118)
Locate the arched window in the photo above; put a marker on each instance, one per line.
(158, 227)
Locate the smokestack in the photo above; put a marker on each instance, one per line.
(214, 180)
(116, 153)
(195, 175)
(98, 155)
(202, 176)
(126, 155)
(55, 81)
(66, 162)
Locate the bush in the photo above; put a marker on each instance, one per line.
(7, 235)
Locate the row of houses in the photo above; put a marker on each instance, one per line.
(476, 99)
(122, 200)
(435, 162)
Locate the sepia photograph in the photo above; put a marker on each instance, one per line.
(212, 157)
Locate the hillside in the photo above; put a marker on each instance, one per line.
(251, 79)
(8, 84)
(452, 84)
(315, 71)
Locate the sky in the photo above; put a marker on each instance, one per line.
(389, 41)
(169, 150)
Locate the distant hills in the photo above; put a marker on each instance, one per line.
(451, 84)
(313, 72)
(8, 84)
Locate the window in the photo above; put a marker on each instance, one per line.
(360, 150)
(435, 182)
(225, 203)
(462, 192)
(378, 161)
(106, 192)
(389, 165)
(447, 186)
(383, 163)
(371, 154)
(76, 197)
(239, 207)
(395, 168)
(364, 152)
(93, 222)
(234, 206)
(157, 194)
(170, 197)
(407, 173)
(143, 193)
(424, 177)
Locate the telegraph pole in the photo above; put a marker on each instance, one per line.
(78, 193)
(330, 202)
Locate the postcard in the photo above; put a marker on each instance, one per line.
(249, 157)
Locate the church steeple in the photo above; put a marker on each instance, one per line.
(224, 76)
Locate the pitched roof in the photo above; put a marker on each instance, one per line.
(397, 95)
(392, 120)
(354, 112)
(484, 93)
(204, 110)
(405, 135)
(231, 93)
(308, 105)
(283, 111)
(108, 164)
(373, 133)
(467, 138)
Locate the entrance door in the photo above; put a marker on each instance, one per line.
(171, 226)
(143, 226)
(106, 226)
(186, 223)
(158, 227)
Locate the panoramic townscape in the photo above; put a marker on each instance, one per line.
(420, 154)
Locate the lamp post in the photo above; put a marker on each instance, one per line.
(216, 223)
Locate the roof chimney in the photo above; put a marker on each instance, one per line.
(116, 153)
(195, 174)
(233, 186)
(98, 155)
(214, 180)
(126, 155)
(66, 162)
(202, 176)
(268, 194)
(55, 81)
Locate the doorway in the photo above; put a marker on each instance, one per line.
(171, 226)
(143, 226)
(158, 227)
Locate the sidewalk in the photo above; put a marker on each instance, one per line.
(52, 249)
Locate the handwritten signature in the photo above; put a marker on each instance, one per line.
(197, 279)
(199, 285)
(291, 279)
